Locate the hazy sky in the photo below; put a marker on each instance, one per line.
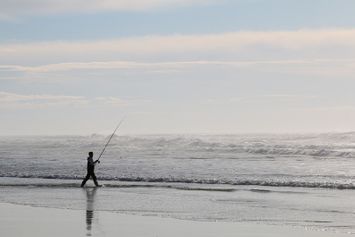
(176, 66)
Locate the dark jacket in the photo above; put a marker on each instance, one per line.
(91, 165)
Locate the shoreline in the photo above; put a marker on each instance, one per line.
(24, 220)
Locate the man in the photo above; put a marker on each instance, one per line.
(91, 170)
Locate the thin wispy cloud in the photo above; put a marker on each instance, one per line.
(14, 100)
(9, 100)
(306, 66)
(9, 8)
(334, 109)
(152, 65)
(302, 52)
(273, 45)
(270, 98)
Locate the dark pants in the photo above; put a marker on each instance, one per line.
(90, 174)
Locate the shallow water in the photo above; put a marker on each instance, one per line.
(302, 180)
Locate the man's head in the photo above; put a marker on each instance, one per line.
(91, 154)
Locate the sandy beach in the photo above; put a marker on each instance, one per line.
(19, 220)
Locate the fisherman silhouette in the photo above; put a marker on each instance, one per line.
(91, 170)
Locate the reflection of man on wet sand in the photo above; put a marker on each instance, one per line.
(90, 200)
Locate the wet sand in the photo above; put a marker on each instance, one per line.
(19, 220)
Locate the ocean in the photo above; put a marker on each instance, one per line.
(301, 180)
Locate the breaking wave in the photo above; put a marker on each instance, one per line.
(162, 180)
(320, 146)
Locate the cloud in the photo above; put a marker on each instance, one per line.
(323, 67)
(31, 7)
(143, 65)
(10, 100)
(114, 101)
(257, 45)
(7, 97)
(287, 99)
(333, 109)
(321, 52)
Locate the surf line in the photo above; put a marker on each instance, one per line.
(108, 142)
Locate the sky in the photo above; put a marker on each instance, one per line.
(176, 66)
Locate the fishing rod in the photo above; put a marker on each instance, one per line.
(103, 150)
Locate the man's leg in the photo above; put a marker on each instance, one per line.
(94, 178)
(85, 179)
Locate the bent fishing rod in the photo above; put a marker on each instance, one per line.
(103, 150)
